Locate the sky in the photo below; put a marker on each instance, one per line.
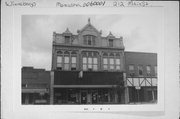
(140, 33)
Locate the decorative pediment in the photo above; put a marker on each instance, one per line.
(110, 36)
(67, 33)
(89, 29)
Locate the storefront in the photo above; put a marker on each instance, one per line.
(92, 88)
(35, 96)
(142, 90)
(86, 96)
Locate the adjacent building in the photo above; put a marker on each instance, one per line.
(141, 77)
(35, 86)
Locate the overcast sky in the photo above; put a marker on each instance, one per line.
(140, 33)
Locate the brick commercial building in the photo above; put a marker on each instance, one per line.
(141, 75)
(87, 68)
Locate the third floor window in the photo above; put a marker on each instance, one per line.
(89, 40)
(111, 42)
(67, 39)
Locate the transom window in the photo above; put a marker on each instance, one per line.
(89, 40)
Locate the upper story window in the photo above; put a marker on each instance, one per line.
(59, 60)
(131, 70)
(73, 61)
(148, 69)
(90, 61)
(105, 61)
(66, 60)
(155, 70)
(140, 70)
(110, 42)
(117, 61)
(89, 40)
(111, 62)
(67, 39)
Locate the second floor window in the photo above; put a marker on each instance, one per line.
(148, 69)
(131, 70)
(155, 70)
(117, 63)
(105, 63)
(111, 63)
(85, 63)
(73, 63)
(90, 61)
(66, 63)
(59, 62)
(140, 70)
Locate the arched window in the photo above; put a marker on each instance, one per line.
(105, 61)
(90, 61)
(117, 61)
(66, 60)
(111, 61)
(59, 60)
(95, 61)
(73, 61)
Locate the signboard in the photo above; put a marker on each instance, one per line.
(138, 87)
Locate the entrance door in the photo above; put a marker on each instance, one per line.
(83, 97)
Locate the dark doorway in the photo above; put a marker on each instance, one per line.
(83, 97)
